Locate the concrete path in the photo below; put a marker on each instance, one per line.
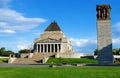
(53, 65)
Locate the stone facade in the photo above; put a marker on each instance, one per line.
(53, 40)
(104, 34)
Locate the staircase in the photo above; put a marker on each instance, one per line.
(37, 58)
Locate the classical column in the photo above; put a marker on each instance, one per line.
(40, 48)
(47, 48)
(61, 47)
(57, 47)
(37, 47)
(43, 48)
(54, 48)
(50, 48)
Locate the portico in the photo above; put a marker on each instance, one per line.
(48, 47)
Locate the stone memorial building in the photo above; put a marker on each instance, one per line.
(52, 40)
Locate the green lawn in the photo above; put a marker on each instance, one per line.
(71, 61)
(60, 72)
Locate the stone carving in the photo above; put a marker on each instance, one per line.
(103, 12)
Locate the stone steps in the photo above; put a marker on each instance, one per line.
(24, 61)
(36, 58)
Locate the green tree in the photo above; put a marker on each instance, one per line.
(3, 52)
(96, 52)
(25, 51)
(7, 53)
(115, 51)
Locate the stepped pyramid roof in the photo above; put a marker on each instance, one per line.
(53, 27)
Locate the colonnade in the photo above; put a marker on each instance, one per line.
(48, 48)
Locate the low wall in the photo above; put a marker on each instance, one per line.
(74, 55)
(26, 55)
(3, 57)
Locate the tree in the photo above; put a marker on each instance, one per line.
(7, 53)
(3, 52)
(115, 51)
(24, 51)
(96, 52)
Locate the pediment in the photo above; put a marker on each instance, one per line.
(49, 40)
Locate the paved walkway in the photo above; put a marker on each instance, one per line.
(54, 65)
(23, 65)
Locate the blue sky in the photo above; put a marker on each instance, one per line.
(21, 21)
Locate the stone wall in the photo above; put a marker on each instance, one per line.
(26, 55)
(53, 34)
(72, 55)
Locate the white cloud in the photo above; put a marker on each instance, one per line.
(21, 47)
(15, 21)
(7, 31)
(82, 42)
(116, 40)
(116, 27)
(16, 44)
(89, 45)
(88, 42)
(37, 32)
(22, 44)
(84, 45)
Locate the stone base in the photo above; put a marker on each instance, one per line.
(105, 62)
(105, 55)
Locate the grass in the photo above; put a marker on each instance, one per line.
(3, 60)
(61, 72)
(71, 61)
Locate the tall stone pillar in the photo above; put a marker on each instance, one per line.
(104, 34)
